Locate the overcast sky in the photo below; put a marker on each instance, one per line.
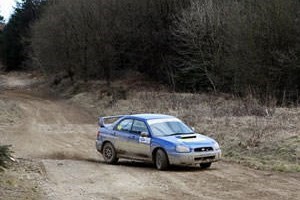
(6, 8)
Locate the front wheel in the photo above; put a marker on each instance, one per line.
(161, 160)
(205, 165)
(109, 154)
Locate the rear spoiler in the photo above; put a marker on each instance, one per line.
(101, 121)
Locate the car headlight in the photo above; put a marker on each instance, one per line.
(182, 149)
(216, 146)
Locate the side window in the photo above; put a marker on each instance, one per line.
(138, 127)
(124, 125)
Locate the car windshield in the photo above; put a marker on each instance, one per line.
(168, 127)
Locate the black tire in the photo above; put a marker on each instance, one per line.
(205, 165)
(109, 153)
(161, 160)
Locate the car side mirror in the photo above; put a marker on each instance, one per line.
(144, 134)
(193, 129)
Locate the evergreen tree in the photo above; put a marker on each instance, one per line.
(1, 37)
(17, 31)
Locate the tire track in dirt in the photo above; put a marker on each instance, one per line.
(51, 128)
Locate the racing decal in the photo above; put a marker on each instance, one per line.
(144, 140)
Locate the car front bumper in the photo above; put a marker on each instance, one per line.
(194, 158)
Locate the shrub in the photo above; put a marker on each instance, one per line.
(5, 155)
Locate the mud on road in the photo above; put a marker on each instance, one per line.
(60, 136)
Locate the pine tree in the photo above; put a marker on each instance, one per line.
(16, 33)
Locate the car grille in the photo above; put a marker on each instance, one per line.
(203, 149)
(205, 158)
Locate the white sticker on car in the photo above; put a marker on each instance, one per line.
(144, 140)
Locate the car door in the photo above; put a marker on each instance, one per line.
(122, 133)
(139, 146)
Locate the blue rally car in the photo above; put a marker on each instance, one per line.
(161, 139)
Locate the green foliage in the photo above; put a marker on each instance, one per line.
(5, 154)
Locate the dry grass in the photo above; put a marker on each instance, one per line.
(264, 137)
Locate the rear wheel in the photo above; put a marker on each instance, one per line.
(161, 160)
(109, 153)
(205, 165)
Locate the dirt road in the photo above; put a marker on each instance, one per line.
(61, 136)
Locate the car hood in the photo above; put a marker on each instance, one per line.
(190, 139)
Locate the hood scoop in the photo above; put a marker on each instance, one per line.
(188, 137)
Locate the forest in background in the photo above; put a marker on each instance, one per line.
(240, 47)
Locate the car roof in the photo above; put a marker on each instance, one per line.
(147, 116)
